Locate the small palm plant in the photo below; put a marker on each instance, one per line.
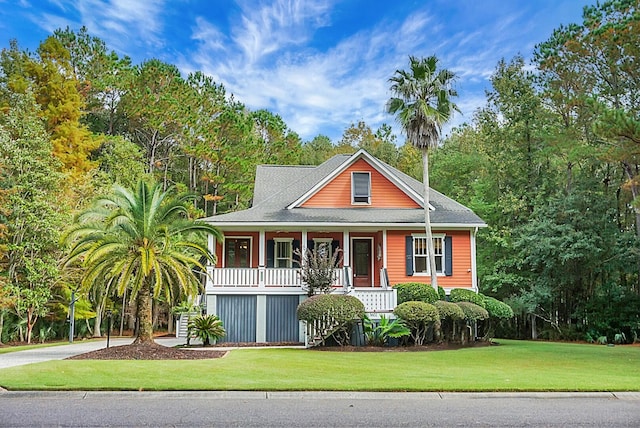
(208, 328)
(378, 335)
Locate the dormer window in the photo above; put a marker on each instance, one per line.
(361, 188)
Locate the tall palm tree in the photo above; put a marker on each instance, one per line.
(144, 241)
(421, 101)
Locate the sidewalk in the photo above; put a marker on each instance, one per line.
(60, 352)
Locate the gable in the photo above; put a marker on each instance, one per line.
(337, 192)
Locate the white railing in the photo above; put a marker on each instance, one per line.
(262, 277)
(376, 300)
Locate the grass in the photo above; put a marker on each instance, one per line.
(16, 348)
(513, 366)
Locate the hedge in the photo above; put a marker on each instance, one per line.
(497, 309)
(473, 312)
(416, 292)
(448, 310)
(466, 295)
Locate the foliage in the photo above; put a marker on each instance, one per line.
(416, 292)
(419, 317)
(144, 241)
(473, 312)
(318, 269)
(497, 309)
(332, 314)
(378, 333)
(465, 295)
(208, 328)
(449, 310)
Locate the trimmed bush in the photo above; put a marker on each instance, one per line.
(442, 295)
(448, 310)
(419, 317)
(416, 292)
(473, 312)
(497, 309)
(332, 315)
(466, 295)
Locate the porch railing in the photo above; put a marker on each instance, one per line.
(262, 277)
(376, 300)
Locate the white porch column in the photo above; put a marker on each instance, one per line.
(303, 244)
(384, 248)
(262, 250)
(261, 318)
(346, 249)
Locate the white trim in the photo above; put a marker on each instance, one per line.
(262, 243)
(440, 236)
(474, 272)
(371, 257)
(346, 250)
(361, 154)
(251, 226)
(224, 248)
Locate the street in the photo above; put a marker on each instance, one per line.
(317, 409)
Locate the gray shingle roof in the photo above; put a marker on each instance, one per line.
(277, 187)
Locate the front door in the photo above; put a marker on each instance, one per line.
(362, 263)
(237, 252)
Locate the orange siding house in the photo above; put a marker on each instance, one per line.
(369, 212)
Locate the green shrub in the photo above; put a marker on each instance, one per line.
(448, 310)
(331, 315)
(473, 312)
(496, 308)
(416, 292)
(208, 328)
(419, 317)
(466, 295)
(450, 313)
(442, 295)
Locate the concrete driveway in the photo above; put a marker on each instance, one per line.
(60, 352)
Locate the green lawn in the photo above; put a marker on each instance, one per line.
(513, 366)
(7, 349)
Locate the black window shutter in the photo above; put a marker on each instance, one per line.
(295, 246)
(310, 244)
(409, 254)
(335, 244)
(448, 256)
(270, 252)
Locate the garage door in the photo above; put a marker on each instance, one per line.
(238, 313)
(282, 321)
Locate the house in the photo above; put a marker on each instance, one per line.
(370, 211)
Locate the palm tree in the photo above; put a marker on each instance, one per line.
(421, 100)
(143, 241)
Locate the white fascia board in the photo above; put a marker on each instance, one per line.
(417, 198)
(278, 226)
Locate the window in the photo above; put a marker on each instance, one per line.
(421, 254)
(322, 247)
(361, 187)
(283, 252)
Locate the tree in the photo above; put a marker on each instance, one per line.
(144, 241)
(33, 213)
(422, 102)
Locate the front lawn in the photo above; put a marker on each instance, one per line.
(513, 366)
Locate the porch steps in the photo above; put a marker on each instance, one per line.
(183, 323)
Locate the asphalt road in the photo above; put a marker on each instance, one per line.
(317, 409)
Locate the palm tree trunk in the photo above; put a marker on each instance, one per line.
(427, 219)
(145, 331)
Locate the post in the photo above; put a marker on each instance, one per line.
(72, 316)
(109, 313)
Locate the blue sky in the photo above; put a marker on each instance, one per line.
(320, 64)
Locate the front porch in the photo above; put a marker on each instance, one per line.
(380, 299)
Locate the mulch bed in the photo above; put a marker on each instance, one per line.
(151, 351)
